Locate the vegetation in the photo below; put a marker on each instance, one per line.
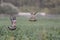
(43, 29)
(26, 5)
(46, 28)
(8, 8)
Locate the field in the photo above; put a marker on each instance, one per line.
(45, 28)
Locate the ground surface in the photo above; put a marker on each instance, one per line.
(45, 28)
